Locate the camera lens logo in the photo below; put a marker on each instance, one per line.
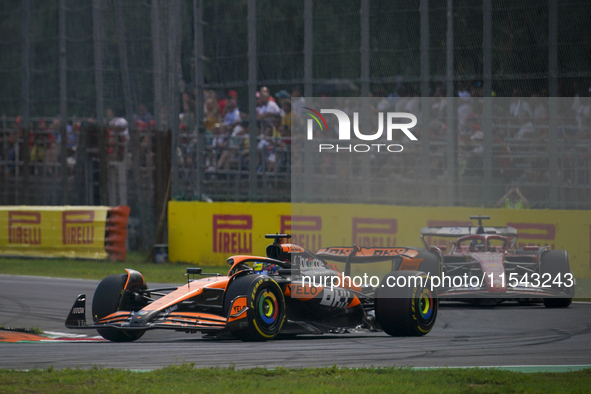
(344, 130)
(317, 121)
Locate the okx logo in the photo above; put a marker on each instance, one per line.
(392, 123)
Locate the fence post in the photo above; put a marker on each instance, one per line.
(174, 70)
(157, 63)
(364, 50)
(26, 85)
(364, 160)
(123, 63)
(63, 75)
(308, 47)
(97, 36)
(426, 160)
(487, 93)
(252, 87)
(125, 81)
(97, 29)
(198, 41)
(451, 108)
(305, 176)
(553, 101)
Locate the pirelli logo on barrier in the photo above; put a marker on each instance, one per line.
(24, 228)
(78, 227)
(306, 231)
(81, 231)
(232, 234)
(372, 232)
(540, 234)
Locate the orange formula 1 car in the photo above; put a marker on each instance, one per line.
(290, 291)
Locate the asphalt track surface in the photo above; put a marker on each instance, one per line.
(464, 335)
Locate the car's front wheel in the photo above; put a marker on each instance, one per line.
(266, 306)
(107, 300)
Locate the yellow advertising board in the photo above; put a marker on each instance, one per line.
(208, 233)
(53, 231)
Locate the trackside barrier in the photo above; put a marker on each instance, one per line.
(116, 232)
(93, 232)
(208, 233)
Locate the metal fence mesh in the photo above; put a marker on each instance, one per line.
(71, 69)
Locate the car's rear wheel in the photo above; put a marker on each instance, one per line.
(266, 307)
(405, 306)
(555, 263)
(107, 300)
(431, 263)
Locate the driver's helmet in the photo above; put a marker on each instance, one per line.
(476, 245)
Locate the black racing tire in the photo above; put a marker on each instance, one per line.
(487, 302)
(266, 307)
(557, 302)
(555, 262)
(408, 310)
(107, 300)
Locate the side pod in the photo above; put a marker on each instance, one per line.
(77, 316)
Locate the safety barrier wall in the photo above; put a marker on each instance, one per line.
(208, 233)
(64, 231)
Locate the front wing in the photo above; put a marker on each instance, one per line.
(142, 320)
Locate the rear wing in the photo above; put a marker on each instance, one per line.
(357, 255)
(456, 232)
(469, 230)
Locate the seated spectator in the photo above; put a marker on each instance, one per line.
(265, 90)
(527, 129)
(297, 100)
(265, 149)
(475, 162)
(289, 119)
(267, 107)
(38, 147)
(232, 154)
(143, 114)
(519, 107)
(119, 137)
(283, 149)
(215, 146)
(232, 116)
(211, 112)
(232, 95)
(282, 95)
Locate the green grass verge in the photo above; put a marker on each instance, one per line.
(98, 269)
(186, 379)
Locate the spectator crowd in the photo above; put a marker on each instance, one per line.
(520, 135)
